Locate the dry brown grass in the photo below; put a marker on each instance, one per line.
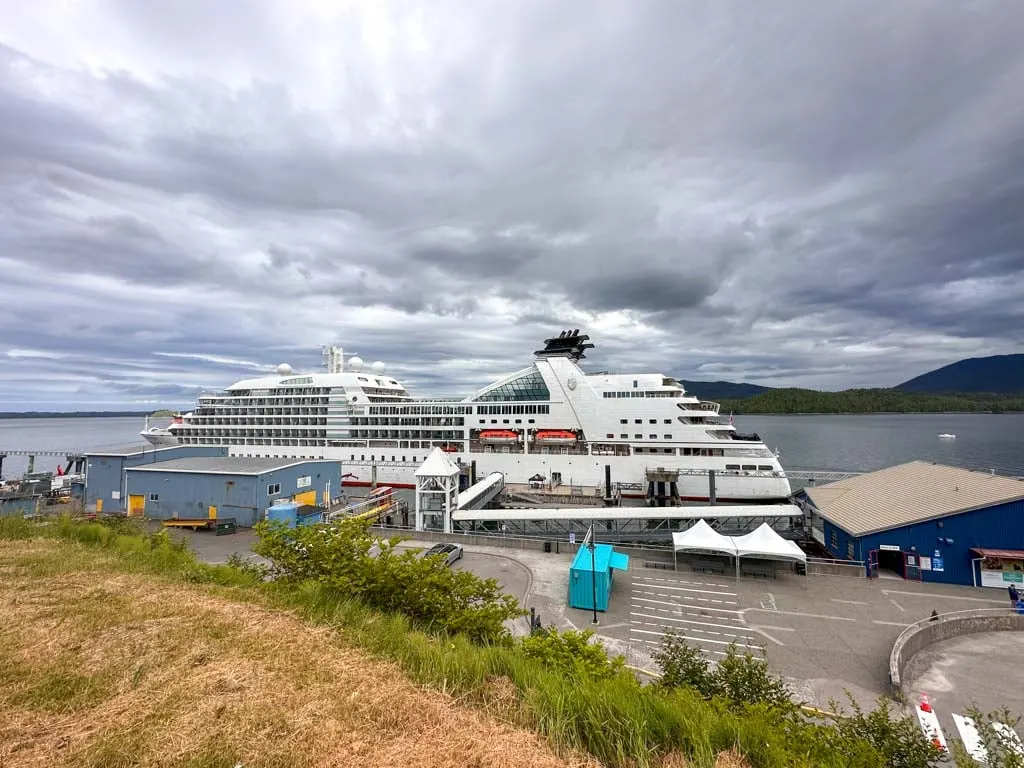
(104, 669)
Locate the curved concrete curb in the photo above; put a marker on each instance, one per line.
(943, 627)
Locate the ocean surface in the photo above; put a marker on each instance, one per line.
(855, 443)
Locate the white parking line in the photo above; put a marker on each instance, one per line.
(705, 618)
(891, 623)
(888, 592)
(684, 581)
(683, 597)
(686, 621)
(698, 639)
(657, 644)
(683, 589)
(656, 625)
(677, 606)
(849, 602)
(797, 613)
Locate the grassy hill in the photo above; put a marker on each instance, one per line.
(871, 401)
(121, 648)
(1002, 374)
(720, 390)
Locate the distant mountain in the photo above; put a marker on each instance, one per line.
(720, 390)
(1001, 374)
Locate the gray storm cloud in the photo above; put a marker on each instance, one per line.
(810, 194)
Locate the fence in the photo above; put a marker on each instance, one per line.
(536, 544)
(820, 566)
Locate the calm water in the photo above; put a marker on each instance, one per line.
(856, 443)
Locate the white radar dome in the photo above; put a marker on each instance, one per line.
(378, 367)
(284, 370)
(356, 364)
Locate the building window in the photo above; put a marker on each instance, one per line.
(610, 435)
(668, 437)
(653, 437)
(154, 497)
(638, 421)
(634, 383)
(624, 436)
(638, 436)
(849, 550)
(654, 421)
(273, 489)
(835, 540)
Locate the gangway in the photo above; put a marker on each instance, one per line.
(481, 493)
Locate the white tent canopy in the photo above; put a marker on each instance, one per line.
(701, 537)
(766, 543)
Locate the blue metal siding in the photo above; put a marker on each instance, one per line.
(104, 475)
(189, 495)
(18, 506)
(841, 549)
(998, 527)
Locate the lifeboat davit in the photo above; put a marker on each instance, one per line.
(556, 436)
(499, 436)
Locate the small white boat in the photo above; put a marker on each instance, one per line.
(947, 436)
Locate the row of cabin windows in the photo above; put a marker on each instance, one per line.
(637, 436)
(492, 409)
(749, 467)
(505, 421)
(641, 421)
(362, 457)
(640, 393)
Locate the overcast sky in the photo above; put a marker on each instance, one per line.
(788, 193)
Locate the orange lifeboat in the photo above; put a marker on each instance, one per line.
(499, 436)
(449, 448)
(556, 436)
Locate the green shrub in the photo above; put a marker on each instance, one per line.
(572, 651)
(348, 558)
(1001, 752)
(899, 740)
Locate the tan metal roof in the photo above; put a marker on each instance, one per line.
(908, 493)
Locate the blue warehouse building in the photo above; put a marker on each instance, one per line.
(227, 487)
(105, 470)
(924, 521)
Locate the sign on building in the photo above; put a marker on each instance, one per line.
(304, 482)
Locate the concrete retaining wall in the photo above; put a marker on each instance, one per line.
(818, 567)
(918, 636)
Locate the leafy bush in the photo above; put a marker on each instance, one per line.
(1001, 752)
(740, 679)
(347, 557)
(572, 651)
(899, 740)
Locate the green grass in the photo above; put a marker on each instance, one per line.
(617, 720)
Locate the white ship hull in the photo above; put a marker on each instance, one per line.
(160, 438)
(577, 470)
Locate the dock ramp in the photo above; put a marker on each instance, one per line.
(481, 493)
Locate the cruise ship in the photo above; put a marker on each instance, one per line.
(551, 422)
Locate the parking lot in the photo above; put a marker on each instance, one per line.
(825, 635)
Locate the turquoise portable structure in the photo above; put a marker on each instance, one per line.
(589, 568)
